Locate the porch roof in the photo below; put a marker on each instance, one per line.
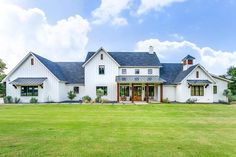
(139, 79)
(198, 82)
(28, 81)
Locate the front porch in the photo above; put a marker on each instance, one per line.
(139, 89)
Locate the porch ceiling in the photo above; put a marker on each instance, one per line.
(28, 81)
(139, 79)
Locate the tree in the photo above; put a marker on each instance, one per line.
(232, 73)
(2, 76)
(228, 94)
(71, 95)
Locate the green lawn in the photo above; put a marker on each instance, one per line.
(118, 130)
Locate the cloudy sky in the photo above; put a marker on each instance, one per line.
(64, 30)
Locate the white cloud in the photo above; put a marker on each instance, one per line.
(177, 36)
(215, 61)
(28, 30)
(147, 5)
(110, 10)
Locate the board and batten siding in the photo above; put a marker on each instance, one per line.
(93, 79)
(50, 90)
(221, 86)
(169, 91)
(183, 92)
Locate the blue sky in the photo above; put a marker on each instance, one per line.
(205, 29)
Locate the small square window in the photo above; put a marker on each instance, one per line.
(149, 71)
(137, 71)
(101, 69)
(124, 71)
(76, 90)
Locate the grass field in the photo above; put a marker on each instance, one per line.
(109, 130)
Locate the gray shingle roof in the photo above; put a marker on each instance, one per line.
(184, 73)
(73, 72)
(70, 72)
(29, 81)
(173, 72)
(132, 58)
(169, 72)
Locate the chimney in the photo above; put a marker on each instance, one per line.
(151, 50)
(187, 62)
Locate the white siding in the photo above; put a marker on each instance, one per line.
(93, 79)
(65, 88)
(169, 92)
(50, 88)
(221, 86)
(183, 92)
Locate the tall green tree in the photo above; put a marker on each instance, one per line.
(232, 73)
(2, 76)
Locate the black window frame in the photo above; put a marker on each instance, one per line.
(215, 89)
(29, 91)
(101, 57)
(76, 90)
(136, 71)
(104, 88)
(197, 74)
(101, 69)
(123, 71)
(150, 71)
(197, 90)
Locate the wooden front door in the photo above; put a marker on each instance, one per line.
(137, 93)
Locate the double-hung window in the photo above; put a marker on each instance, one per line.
(101, 69)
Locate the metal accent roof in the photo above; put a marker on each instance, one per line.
(28, 81)
(199, 82)
(188, 57)
(139, 79)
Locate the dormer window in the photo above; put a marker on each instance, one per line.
(101, 56)
(32, 61)
(197, 74)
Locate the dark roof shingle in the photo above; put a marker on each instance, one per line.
(132, 58)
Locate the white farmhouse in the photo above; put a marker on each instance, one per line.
(124, 76)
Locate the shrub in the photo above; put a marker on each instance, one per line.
(166, 100)
(17, 100)
(191, 101)
(33, 101)
(8, 100)
(71, 95)
(99, 94)
(86, 99)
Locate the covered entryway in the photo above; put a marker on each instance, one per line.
(139, 88)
